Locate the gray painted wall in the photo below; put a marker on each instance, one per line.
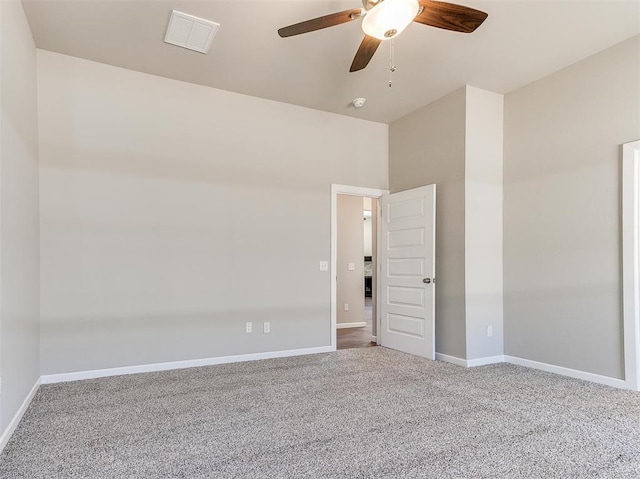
(19, 247)
(562, 211)
(350, 250)
(483, 223)
(172, 213)
(428, 147)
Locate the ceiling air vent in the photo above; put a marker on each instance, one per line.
(190, 32)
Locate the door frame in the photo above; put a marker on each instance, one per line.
(336, 190)
(631, 262)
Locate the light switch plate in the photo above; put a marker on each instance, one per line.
(351, 266)
(324, 266)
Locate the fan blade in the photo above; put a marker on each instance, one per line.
(450, 16)
(320, 23)
(365, 52)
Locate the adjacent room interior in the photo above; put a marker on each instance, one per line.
(355, 271)
(263, 246)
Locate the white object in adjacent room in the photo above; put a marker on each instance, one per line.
(190, 32)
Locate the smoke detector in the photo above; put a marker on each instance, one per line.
(190, 32)
(359, 102)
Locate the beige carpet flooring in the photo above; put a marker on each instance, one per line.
(355, 413)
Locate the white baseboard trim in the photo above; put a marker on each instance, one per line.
(471, 363)
(6, 435)
(451, 359)
(191, 363)
(574, 373)
(550, 368)
(360, 324)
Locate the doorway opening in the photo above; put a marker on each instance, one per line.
(404, 295)
(355, 271)
(354, 289)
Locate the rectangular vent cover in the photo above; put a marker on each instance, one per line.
(190, 32)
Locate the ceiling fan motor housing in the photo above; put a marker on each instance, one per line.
(369, 4)
(388, 18)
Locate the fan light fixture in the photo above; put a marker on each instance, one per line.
(385, 19)
(389, 18)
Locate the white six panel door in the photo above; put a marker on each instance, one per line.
(407, 253)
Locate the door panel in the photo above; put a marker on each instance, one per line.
(406, 325)
(406, 266)
(407, 250)
(404, 238)
(406, 296)
(406, 209)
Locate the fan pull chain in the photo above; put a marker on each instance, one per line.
(392, 65)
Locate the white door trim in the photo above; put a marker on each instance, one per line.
(352, 191)
(631, 263)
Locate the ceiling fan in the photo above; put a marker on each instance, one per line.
(386, 19)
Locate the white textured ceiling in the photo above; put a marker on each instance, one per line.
(521, 41)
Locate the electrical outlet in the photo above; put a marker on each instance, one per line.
(351, 266)
(346, 306)
(489, 331)
(324, 266)
(248, 327)
(266, 327)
